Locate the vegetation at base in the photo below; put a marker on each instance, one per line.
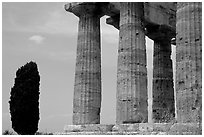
(7, 132)
(24, 100)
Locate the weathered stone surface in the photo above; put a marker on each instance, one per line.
(145, 127)
(132, 71)
(160, 13)
(163, 89)
(162, 127)
(185, 129)
(73, 128)
(132, 79)
(135, 129)
(86, 8)
(189, 62)
(88, 128)
(87, 88)
(138, 127)
(125, 127)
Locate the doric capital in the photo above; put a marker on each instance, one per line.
(160, 32)
(114, 20)
(84, 8)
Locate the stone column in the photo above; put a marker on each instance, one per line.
(189, 62)
(132, 71)
(87, 88)
(163, 90)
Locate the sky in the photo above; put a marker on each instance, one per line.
(47, 34)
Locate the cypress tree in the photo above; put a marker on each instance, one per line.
(24, 100)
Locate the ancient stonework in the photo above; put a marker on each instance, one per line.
(189, 62)
(87, 88)
(134, 129)
(160, 22)
(163, 90)
(132, 71)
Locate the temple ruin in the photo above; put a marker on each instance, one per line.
(177, 23)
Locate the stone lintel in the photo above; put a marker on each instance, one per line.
(155, 13)
(152, 30)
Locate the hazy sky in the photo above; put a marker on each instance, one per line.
(47, 34)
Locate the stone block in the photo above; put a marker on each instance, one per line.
(97, 128)
(72, 128)
(145, 127)
(88, 128)
(184, 129)
(133, 127)
(125, 127)
(161, 127)
(161, 133)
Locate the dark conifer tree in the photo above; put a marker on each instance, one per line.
(24, 100)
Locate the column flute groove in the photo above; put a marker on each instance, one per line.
(189, 62)
(87, 88)
(132, 71)
(163, 89)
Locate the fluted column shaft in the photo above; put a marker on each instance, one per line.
(189, 62)
(87, 88)
(163, 90)
(132, 71)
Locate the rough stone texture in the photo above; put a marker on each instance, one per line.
(134, 129)
(189, 62)
(132, 71)
(132, 81)
(87, 88)
(163, 90)
(155, 13)
(88, 128)
(185, 129)
(160, 13)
